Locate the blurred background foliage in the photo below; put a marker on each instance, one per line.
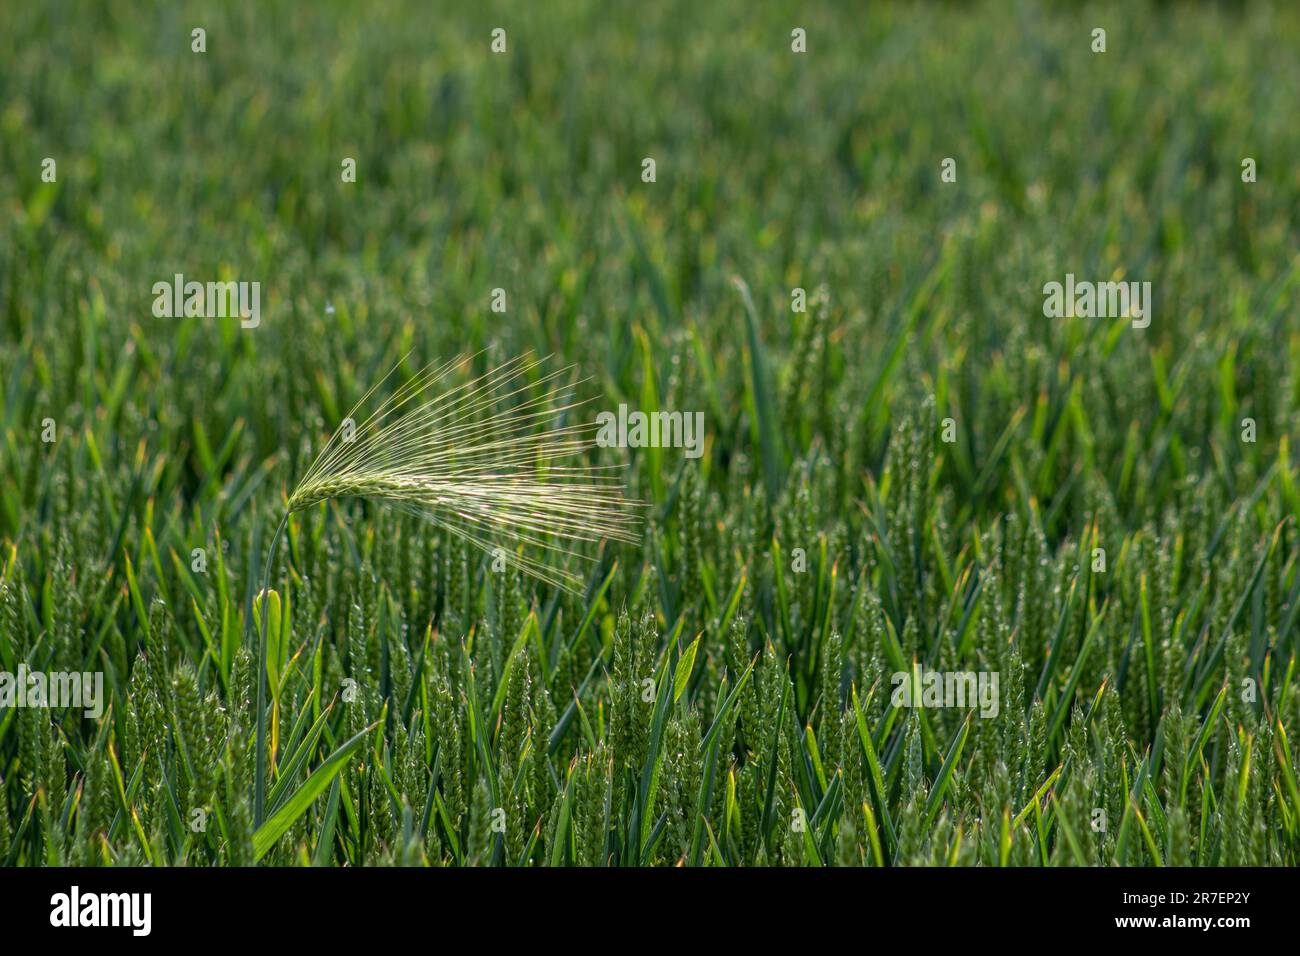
(1123, 688)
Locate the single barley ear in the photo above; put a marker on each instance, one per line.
(489, 459)
(483, 458)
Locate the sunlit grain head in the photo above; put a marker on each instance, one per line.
(496, 459)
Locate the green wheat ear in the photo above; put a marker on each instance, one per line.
(477, 459)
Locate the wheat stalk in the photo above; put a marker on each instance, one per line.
(477, 460)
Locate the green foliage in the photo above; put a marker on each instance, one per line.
(701, 699)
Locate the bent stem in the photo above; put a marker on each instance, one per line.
(259, 782)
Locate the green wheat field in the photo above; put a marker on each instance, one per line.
(906, 467)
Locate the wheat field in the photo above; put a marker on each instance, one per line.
(735, 493)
